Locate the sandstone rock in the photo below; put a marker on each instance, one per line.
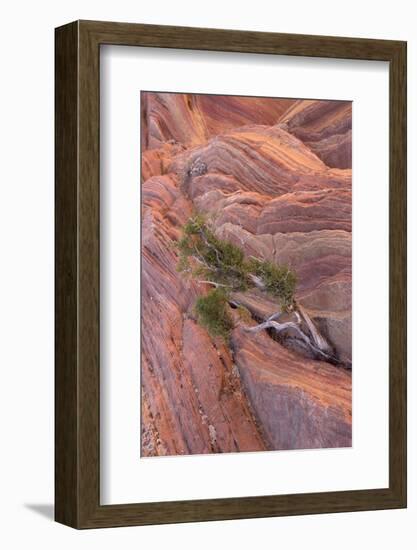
(155, 162)
(191, 119)
(301, 404)
(275, 179)
(326, 126)
(189, 390)
(306, 211)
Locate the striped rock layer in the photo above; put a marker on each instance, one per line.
(275, 178)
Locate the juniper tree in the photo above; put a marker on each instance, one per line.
(223, 265)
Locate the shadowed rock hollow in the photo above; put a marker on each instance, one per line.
(274, 176)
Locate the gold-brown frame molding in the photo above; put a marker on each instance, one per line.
(77, 360)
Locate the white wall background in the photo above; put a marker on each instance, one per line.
(26, 272)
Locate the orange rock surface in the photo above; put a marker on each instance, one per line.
(275, 176)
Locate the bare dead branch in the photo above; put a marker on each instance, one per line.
(206, 242)
(319, 341)
(217, 285)
(279, 327)
(257, 281)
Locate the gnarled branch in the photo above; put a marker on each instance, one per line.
(217, 285)
(279, 327)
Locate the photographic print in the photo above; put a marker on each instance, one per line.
(246, 274)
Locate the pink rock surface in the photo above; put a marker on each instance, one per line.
(325, 126)
(192, 119)
(192, 399)
(301, 404)
(275, 179)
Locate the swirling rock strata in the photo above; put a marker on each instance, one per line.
(192, 119)
(255, 167)
(192, 399)
(325, 126)
(301, 404)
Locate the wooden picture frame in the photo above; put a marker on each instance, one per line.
(77, 374)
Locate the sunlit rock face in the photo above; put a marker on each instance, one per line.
(325, 126)
(274, 177)
(191, 119)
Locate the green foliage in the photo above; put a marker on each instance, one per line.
(217, 260)
(244, 314)
(194, 225)
(279, 281)
(204, 256)
(212, 313)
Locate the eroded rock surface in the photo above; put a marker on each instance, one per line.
(301, 404)
(275, 179)
(325, 126)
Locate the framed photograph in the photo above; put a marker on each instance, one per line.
(230, 274)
